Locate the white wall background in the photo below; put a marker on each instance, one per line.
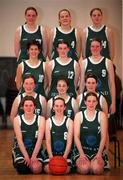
(12, 15)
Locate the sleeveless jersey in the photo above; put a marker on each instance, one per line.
(100, 70)
(38, 109)
(58, 136)
(66, 70)
(82, 103)
(27, 37)
(90, 135)
(69, 112)
(38, 73)
(29, 133)
(69, 37)
(101, 34)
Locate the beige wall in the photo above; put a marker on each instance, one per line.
(12, 15)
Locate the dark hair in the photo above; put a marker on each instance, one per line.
(62, 42)
(31, 8)
(33, 42)
(90, 94)
(58, 98)
(96, 39)
(28, 98)
(27, 76)
(63, 78)
(91, 75)
(98, 9)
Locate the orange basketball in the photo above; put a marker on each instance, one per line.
(58, 165)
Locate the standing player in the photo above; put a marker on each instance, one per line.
(66, 33)
(28, 32)
(99, 31)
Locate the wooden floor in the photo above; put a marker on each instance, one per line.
(8, 172)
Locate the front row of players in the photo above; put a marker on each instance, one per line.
(89, 130)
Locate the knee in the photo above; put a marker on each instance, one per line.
(97, 168)
(83, 168)
(36, 167)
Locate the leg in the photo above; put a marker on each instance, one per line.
(83, 166)
(36, 167)
(97, 166)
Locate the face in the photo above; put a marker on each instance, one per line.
(29, 85)
(28, 107)
(34, 51)
(64, 18)
(63, 50)
(59, 107)
(30, 16)
(91, 85)
(91, 102)
(95, 48)
(62, 87)
(96, 17)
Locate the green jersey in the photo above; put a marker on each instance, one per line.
(66, 70)
(38, 72)
(90, 135)
(69, 112)
(69, 37)
(38, 109)
(26, 37)
(58, 135)
(82, 103)
(100, 70)
(98, 34)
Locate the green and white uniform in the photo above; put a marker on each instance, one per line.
(29, 135)
(82, 103)
(69, 37)
(59, 135)
(98, 34)
(90, 135)
(38, 109)
(69, 112)
(38, 72)
(100, 70)
(66, 70)
(27, 36)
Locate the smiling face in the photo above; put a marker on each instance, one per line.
(28, 107)
(30, 16)
(95, 48)
(63, 50)
(64, 18)
(33, 51)
(96, 17)
(59, 107)
(91, 84)
(91, 102)
(62, 87)
(29, 85)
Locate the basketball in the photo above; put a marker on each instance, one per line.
(58, 165)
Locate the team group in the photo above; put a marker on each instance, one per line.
(64, 100)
